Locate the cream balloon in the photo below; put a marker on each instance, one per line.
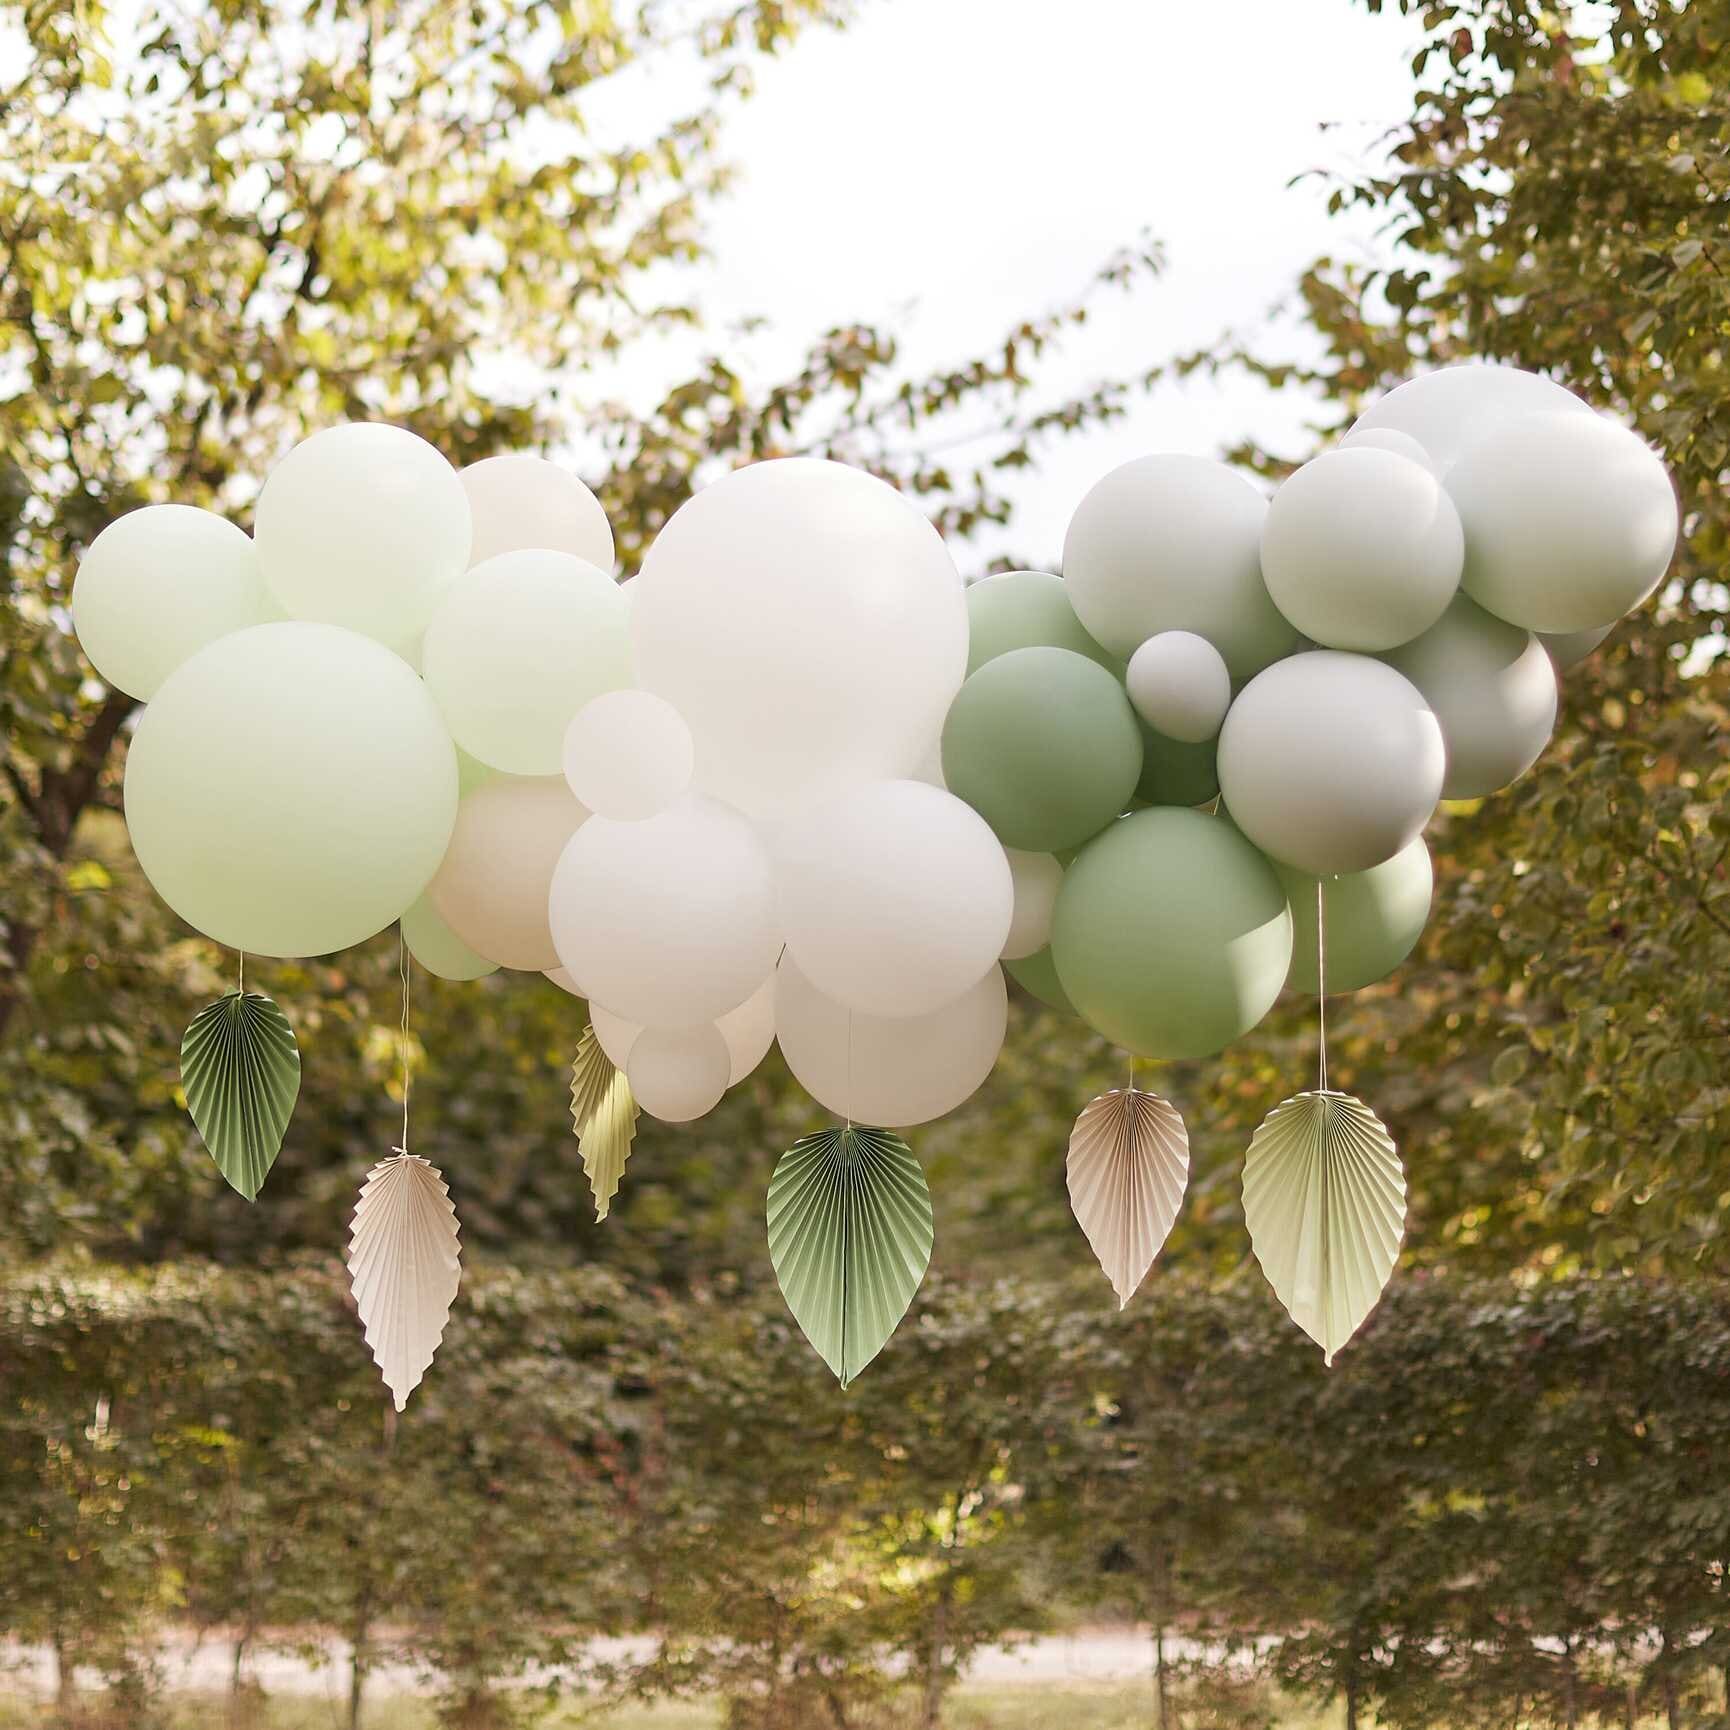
(565, 980)
(810, 626)
(1448, 409)
(290, 789)
(1385, 438)
(891, 1071)
(678, 1073)
(520, 502)
(628, 754)
(1180, 686)
(1037, 878)
(613, 1034)
(438, 948)
(749, 1031)
(361, 526)
(492, 886)
(157, 585)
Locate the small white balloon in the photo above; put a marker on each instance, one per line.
(894, 896)
(438, 948)
(1448, 409)
(1331, 762)
(1037, 878)
(1180, 686)
(1569, 648)
(1386, 438)
(678, 1073)
(614, 1034)
(362, 526)
(628, 754)
(749, 1031)
(1570, 521)
(891, 1071)
(519, 502)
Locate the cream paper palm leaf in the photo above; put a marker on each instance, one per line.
(1128, 1167)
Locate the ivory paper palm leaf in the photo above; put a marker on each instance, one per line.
(1128, 1168)
(240, 1070)
(604, 1115)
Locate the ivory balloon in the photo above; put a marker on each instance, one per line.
(1448, 409)
(438, 948)
(892, 1071)
(1180, 686)
(1569, 648)
(290, 789)
(1373, 919)
(1385, 438)
(519, 502)
(628, 754)
(1025, 610)
(565, 980)
(362, 526)
(1037, 878)
(678, 1073)
(613, 1034)
(157, 585)
(749, 1031)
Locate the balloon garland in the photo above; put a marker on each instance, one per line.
(795, 782)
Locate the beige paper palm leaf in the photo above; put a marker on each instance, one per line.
(604, 1116)
(1128, 1168)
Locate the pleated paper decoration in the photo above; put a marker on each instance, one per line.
(604, 1115)
(403, 1261)
(1324, 1197)
(1128, 1167)
(240, 1069)
(850, 1238)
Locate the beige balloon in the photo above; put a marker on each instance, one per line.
(520, 501)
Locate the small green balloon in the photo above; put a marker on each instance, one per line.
(1374, 919)
(1176, 773)
(1025, 610)
(438, 948)
(1171, 936)
(1043, 744)
(1037, 976)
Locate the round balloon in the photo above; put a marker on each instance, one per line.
(520, 502)
(810, 626)
(1024, 610)
(1570, 521)
(678, 1073)
(520, 644)
(1173, 543)
(1447, 409)
(613, 1034)
(1180, 686)
(1043, 744)
(1373, 919)
(1037, 976)
(157, 585)
(1385, 438)
(892, 1071)
(438, 948)
(628, 754)
(1172, 936)
(1331, 762)
(565, 980)
(1174, 772)
(1494, 691)
(492, 886)
(1037, 878)
(1569, 648)
(749, 1031)
(362, 526)
(290, 789)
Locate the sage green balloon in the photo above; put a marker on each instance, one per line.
(1373, 919)
(1025, 610)
(438, 948)
(1172, 936)
(1174, 772)
(1043, 744)
(1036, 974)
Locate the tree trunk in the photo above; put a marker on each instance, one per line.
(1352, 1704)
(360, 1654)
(1161, 1693)
(65, 1676)
(931, 1714)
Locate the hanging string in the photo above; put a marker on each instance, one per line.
(849, 1069)
(1321, 991)
(1132, 1072)
(242, 986)
(404, 967)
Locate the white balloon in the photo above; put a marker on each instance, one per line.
(438, 948)
(1494, 691)
(613, 1034)
(894, 896)
(810, 626)
(1180, 686)
(1362, 549)
(1569, 648)
(1173, 543)
(678, 1073)
(749, 1031)
(628, 754)
(518, 645)
(1570, 521)
(520, 501)
(362, 526)
(890, 1071)
(290, 789)
(1448, 409)
(157, 585)
(1037, 878)
(1331, 762)
(565, 980)
(671, 920)
(1386, 438)
(492, 886)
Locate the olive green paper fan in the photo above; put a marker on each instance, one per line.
(604, 1116)
(240, 1070)
(850, 1238)
(1324, 1197)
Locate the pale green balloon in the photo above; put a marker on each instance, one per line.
(1172, 936)
(1174, 772)
(1037, 976)
(1043, 744)
(438, 948)
(1025, 610)
(1373, 919)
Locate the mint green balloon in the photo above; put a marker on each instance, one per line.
(1172, 936)
(1374, 919)
(1025, 610)
(1174, 772)
(1043, 744)
(1037, 976)
(438, 948)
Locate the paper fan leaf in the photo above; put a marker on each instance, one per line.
(850, 1238)
(604, 1115)
(404, 1263)
(240, 1071)
(1128, 1168)
(1324, 1196)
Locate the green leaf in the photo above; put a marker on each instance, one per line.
(850, 1237)
(604, 1115)
(240, 1068)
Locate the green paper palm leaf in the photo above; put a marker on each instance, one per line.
(240, 1069)
(850, 1238)
(604, 1115)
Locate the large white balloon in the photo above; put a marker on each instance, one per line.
(520, 501)
(1570, 521)
(363, 526)
(1173, 543)
(1448, 409)
(1037, 878)
(628, 754)
(290, 789)
(809, 625)
(1331, 762)
(669, 921)
(890, 1071)
(1362, 549)
(1493, 689)
(1180, 686)
(438, 948)
(518, 645)
(157, 585)
(678, 1073)
(492, 886)
(894, 896)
